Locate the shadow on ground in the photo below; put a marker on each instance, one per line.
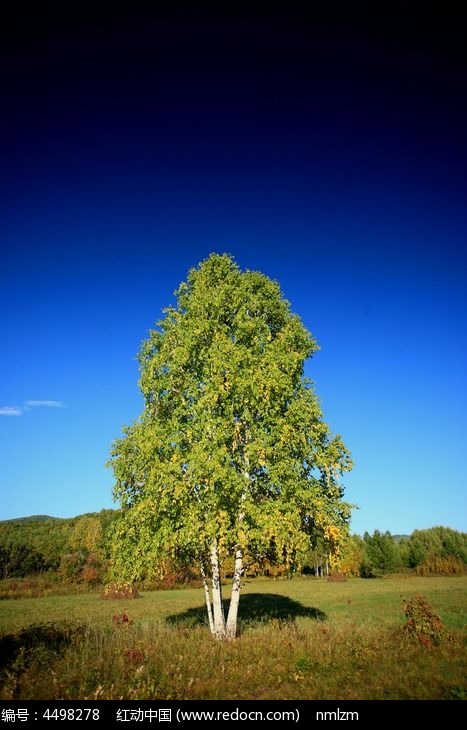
(254, 608)
(33, 639)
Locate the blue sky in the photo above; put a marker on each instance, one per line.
(337, 168)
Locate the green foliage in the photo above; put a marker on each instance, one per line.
(30, 547)
(316, 559)
(33, 545)
(231, 447)
(18, 558)
(403, 549)
(435, 551)
(441, 542)
(71, 566)
(88, 536)
(380, 554)
(81, 567)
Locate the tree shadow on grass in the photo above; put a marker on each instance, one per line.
(28, 642)
(254, 608)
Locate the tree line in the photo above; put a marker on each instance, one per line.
(438, 550)
(79, 550)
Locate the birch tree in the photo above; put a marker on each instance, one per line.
(231, 458)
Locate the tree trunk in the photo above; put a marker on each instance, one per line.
(235, 598)
(208, 597)
(218, 608)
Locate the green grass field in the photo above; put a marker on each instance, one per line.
(302, 638)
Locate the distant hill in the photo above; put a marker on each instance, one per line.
(39, 543)
(31, 518)
(34, 519)
(396, 538)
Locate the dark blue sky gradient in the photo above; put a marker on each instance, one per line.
(328, 153)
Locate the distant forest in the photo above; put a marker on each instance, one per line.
(79, 551)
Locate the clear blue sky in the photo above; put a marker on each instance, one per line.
(331, 157)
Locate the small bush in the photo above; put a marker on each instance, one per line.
(122, 619)
(90, 575)
(120, 590)
(71, 566)
(93, 570)
(422, 622)
(304, 664)
(369, 571)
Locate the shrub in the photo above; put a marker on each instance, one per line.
(436, 565)
(92, 571)
(90, 575)
(422, 622)
(71, 567)
(122, 619)
(368, 571)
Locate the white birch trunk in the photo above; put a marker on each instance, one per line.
(207, 596)
(231, 631)
(218, 608)
(231, 628)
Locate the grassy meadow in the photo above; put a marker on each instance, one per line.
(299, 639)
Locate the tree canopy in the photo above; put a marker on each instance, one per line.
(231, 457)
